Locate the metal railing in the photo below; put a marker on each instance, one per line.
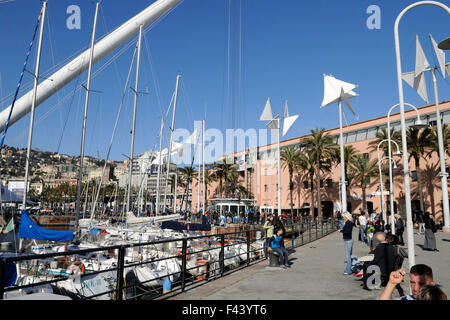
(201, 258)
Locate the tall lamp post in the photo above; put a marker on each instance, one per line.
(409, 223)
(383, 203)
(419, 124)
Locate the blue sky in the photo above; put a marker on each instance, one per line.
(287, 46)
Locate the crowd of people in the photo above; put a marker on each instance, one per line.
(386, 255)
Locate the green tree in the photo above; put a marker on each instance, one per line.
(289, 159)
(306, 165)
(362, 169)
(319, 145)
(419, 141)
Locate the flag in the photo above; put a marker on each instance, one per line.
(10, 226)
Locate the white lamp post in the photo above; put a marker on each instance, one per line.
(409, 223)
(419, 124)
(383, 204)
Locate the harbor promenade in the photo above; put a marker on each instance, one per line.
(317, 274)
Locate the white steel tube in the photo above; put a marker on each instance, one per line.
(33, 106)
(133, 130)
(444, 174)
(343, 178)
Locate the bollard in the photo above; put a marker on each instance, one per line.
(120, 262)
(222, 255)
(248, 248)
(183, 265)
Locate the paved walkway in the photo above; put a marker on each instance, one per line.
(317, 274)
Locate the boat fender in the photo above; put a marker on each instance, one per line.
(77, 267)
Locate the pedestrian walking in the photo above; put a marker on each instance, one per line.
(399, 229)
(363, 226)
(348, 241)
(430, 230)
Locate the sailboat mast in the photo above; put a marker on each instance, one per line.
(169, 153)
(175, 191)
(159, 166)
(83, 137)
(136, 93)
(203, 160)
(33, 106)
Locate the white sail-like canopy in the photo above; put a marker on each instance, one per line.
(440, 54)
(286, 111)
(337, 90)
(267, 114)
(417, 83)
(421, 60)
(288, 123)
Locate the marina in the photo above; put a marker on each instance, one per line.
(115, 183)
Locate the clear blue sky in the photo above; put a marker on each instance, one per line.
(287, 45)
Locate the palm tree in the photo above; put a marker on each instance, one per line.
(434, 140)
(362, 169)
(319, 145)
(187, 174)
(224, 172)
(289, 158)
(306, 165)
(419, 142)
(382, 135)
(349, 153)
(209, 178)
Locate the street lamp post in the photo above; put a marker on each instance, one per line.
(383, 203)
(409, 223)
(419, 124)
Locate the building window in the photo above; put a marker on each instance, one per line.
(368, 181)
(305, 184)
(366, 156)
(414, 176)
(433, 123)
(321, 183)
(266, 172)
(266, 188)
(329, 183)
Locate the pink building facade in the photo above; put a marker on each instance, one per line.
(260, 173)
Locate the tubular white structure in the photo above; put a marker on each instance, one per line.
(133, 130)
(83, 134)
(159, 166)
(383, 203)
(409, 222)
(203, 160)
(169, 153)
(33, 106)
(80, 64)
(342, 151)
(444, 174)
(391, 182)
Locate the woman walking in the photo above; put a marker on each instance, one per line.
(430, 230)
(347, 231)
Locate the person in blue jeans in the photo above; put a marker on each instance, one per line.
(276, 246)
(347, 231)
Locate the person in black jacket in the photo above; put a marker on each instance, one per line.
(430, 230)
(384, 258)
(347, 231)
(399, 229)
